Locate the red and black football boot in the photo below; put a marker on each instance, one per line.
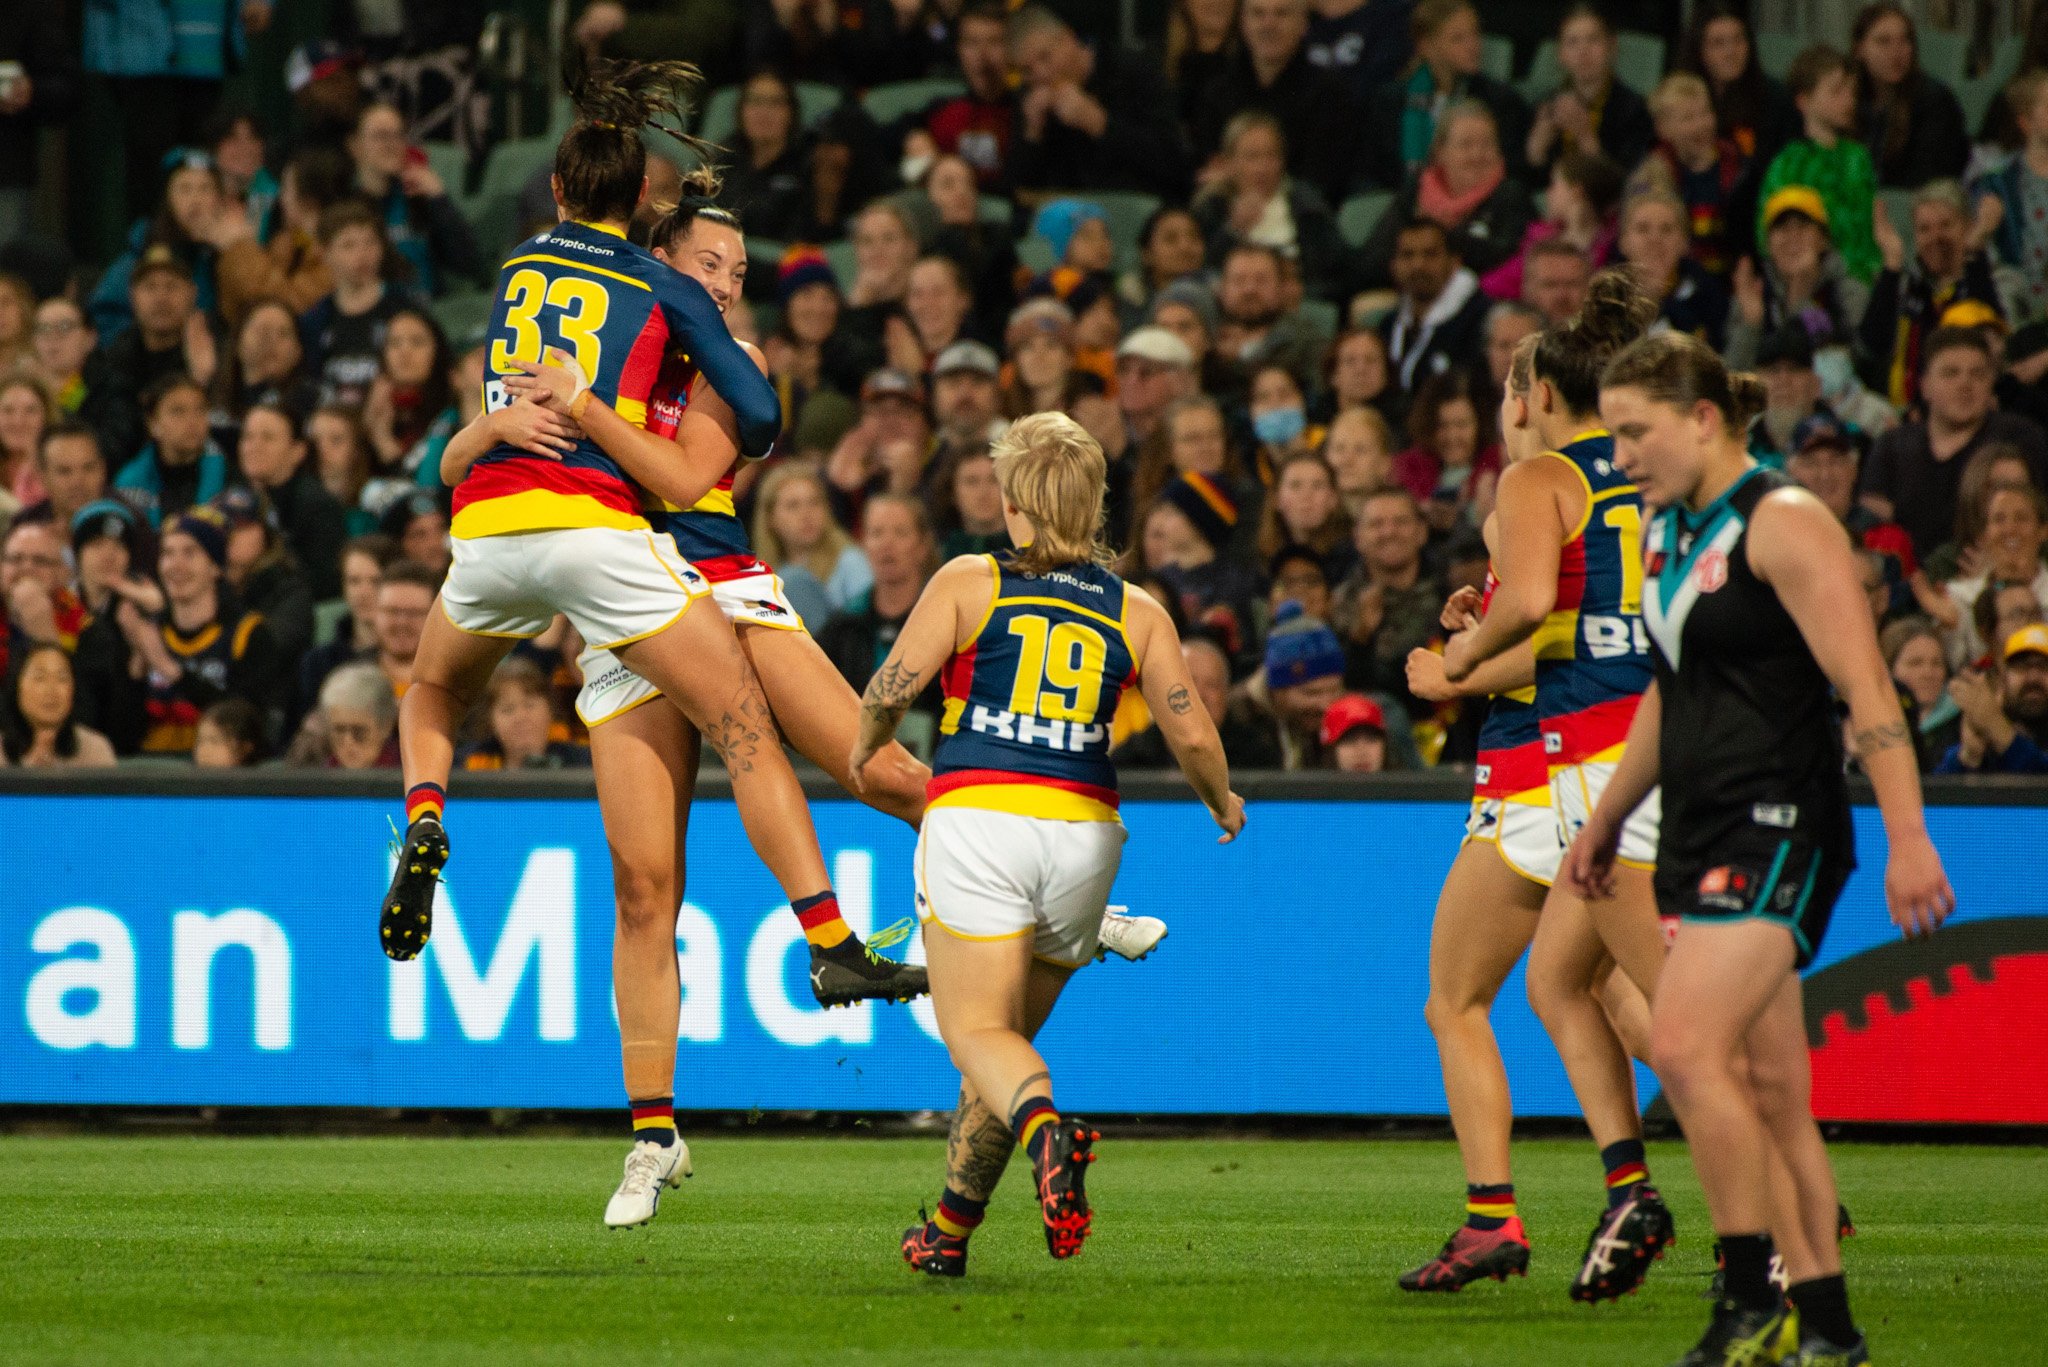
(1062, 1178)
(931, 1250)
(1471, 1254)
(1625, 1241)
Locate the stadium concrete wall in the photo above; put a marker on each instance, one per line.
(169, 938)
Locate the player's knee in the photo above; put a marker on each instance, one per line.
(1677, 1055)
(1443, 1010)
(646, 901)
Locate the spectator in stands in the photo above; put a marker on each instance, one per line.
(208, 646)
(405, 594)
(234, 140)
(1949, 267)
(2003, 609)
(182, 225)
(937, 309)
(1996, 465)
(1913, 653)
(1306, 511)
(17, 313)
(263, 572)
(421, 223)
(66, 359)
(170, 336)
(1843, 390)
(1592, 110)
(1187, 533)
(1804, 283)
(1465, 189)
(1246, 744)
(768, 179)
(1823, 457)
(1359, 447)
(1656, 245)
(1304, 675)
(2005, 713)
(44, 91)
(356, 726)
(1294, 574)
(230, 736)
(1253, 199)
(809, 352)
(325, 79)
(1555, 275)
(181, 467)
(889, 449)
(39, 727)
(1389, 604)
(1154, 368)
(1201, 44)
(1356, 375)
(794, 531)
(966, 398)
(1043, 377)
(72, 473)
(1826, 158)
(885, 247)
(26, 412)
(1089, 118)
(1914, 470)
(1579, 210)
(1506, 325)
(2009, 553)
(1452, 465)
(1279, 416)
(519, 709)
(967, 505)
(2021, 189)
(983, 250)
(1440, 323)
(290, 266)
(36, 602)
(410, 413)
(1271, 72)
(1191, 438)
(706, 29)
(362, 560)
(1364, 43)
(1354, 736)
(1703, 167)
(1751, 110)
(901, 553)
(266, 365)
(1170, 248)
(341, 459)
(1255, 328)
(418, 522)
(977, 127)
(106, 544)
(1911, 122)
(1445, 73)
(1784, 362)
(343, 334)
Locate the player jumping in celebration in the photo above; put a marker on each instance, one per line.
(1570, 569)
(1754, 602)
(536, 535)
(1022, 840)
(1488, 911)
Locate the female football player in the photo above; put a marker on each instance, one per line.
(1755, 606)
(1022, 840)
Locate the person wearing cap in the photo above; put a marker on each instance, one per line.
(1784, 361)
(1827, 157)
(1914, 473)
(107, 542)
(169, 336)
(1949, 266)
(966, 397)
(1092, 118)
(1799, 278)
(263, 572)
(1153, 368)
(324, 79)
(888, 450)
(1354, 735)
(207, 645)
(186, 221)
(2005, 714)
(181, 466)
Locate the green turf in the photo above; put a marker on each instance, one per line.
(396, 1251)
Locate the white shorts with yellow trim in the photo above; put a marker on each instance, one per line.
(609, 688)
(1575, 791)
(988, 875)
(615, 586)
(1525, 833)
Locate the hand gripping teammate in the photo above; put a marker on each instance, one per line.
(1022, 839)
(1488, 911)
(1569, 569)
(1755, 606)
(534, 537)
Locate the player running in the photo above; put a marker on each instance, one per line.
(1755, 607)
(1022, 839)
(1488, 910)
(1570, 578)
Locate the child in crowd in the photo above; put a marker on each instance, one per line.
(1826, 158)
(343, 334)
(1694, 162)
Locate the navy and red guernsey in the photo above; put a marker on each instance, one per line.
(708, 533)
(1592, 652)
(1511, 764)
(584, 290)
(1030, 698)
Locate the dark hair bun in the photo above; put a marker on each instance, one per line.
(1615, 313)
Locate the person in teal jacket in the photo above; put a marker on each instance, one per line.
(181, 467)
(1826, 159)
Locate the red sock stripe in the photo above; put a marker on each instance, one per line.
(654, 1113)
(961, 1220)
(824, 914)
(1627, 1173)
(423, 798)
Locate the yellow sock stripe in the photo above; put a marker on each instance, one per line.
(829, 934)
(949, 1226)
(655, 1122)
(1500, 1210)
(1033, 1125)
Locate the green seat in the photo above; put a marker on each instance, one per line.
(814, 100)
(1035, 254)
(1775, 52)
(1898, 204)
(1497, 57)
(888, 103)
(1944, 56)
(1639, 61)
(994, 209)
(449, 162)
(1545, 75)
(492, 212)
(840, 254)
(464, 314)
(1321, 316)
(1360, 214)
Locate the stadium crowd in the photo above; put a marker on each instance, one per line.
(1275, 258)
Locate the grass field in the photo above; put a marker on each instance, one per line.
(399, 1251)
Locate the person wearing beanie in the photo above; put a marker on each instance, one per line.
(1079, 233)
(207, 646)
(810, 353)
(1188, 309)
(107, 542)
(1304, 675)
(1183, 540)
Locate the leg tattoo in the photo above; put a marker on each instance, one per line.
(978, 1148)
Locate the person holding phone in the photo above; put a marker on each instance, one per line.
(419, 217)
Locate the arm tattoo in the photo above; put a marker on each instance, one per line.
(1178, 700)
(1889, 736)
(1024, 1089)
(889, 695)
(977, 1149)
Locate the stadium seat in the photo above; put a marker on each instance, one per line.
(1898, 204)
(492, 211)
(840, 254)
(1776, 51)
(1976, 96)
(1544, 73)
(463, 314)
(1360, 214)
(447, 161)
(1944, 56)
(1035, 254)
(327, 615)
(1639, 61)
(1497, 57)
(888, 103)
(1321, 316)
(814, 101)
(994, 209)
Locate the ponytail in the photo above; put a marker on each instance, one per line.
(1679, 370)
(601, 162)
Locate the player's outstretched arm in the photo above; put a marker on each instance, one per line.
(739, 377)
(922, 648)
(1531, 537)
(1798, 548)
(1182, 720)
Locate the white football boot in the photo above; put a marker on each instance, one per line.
(1131, 937)
(650, 1167)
